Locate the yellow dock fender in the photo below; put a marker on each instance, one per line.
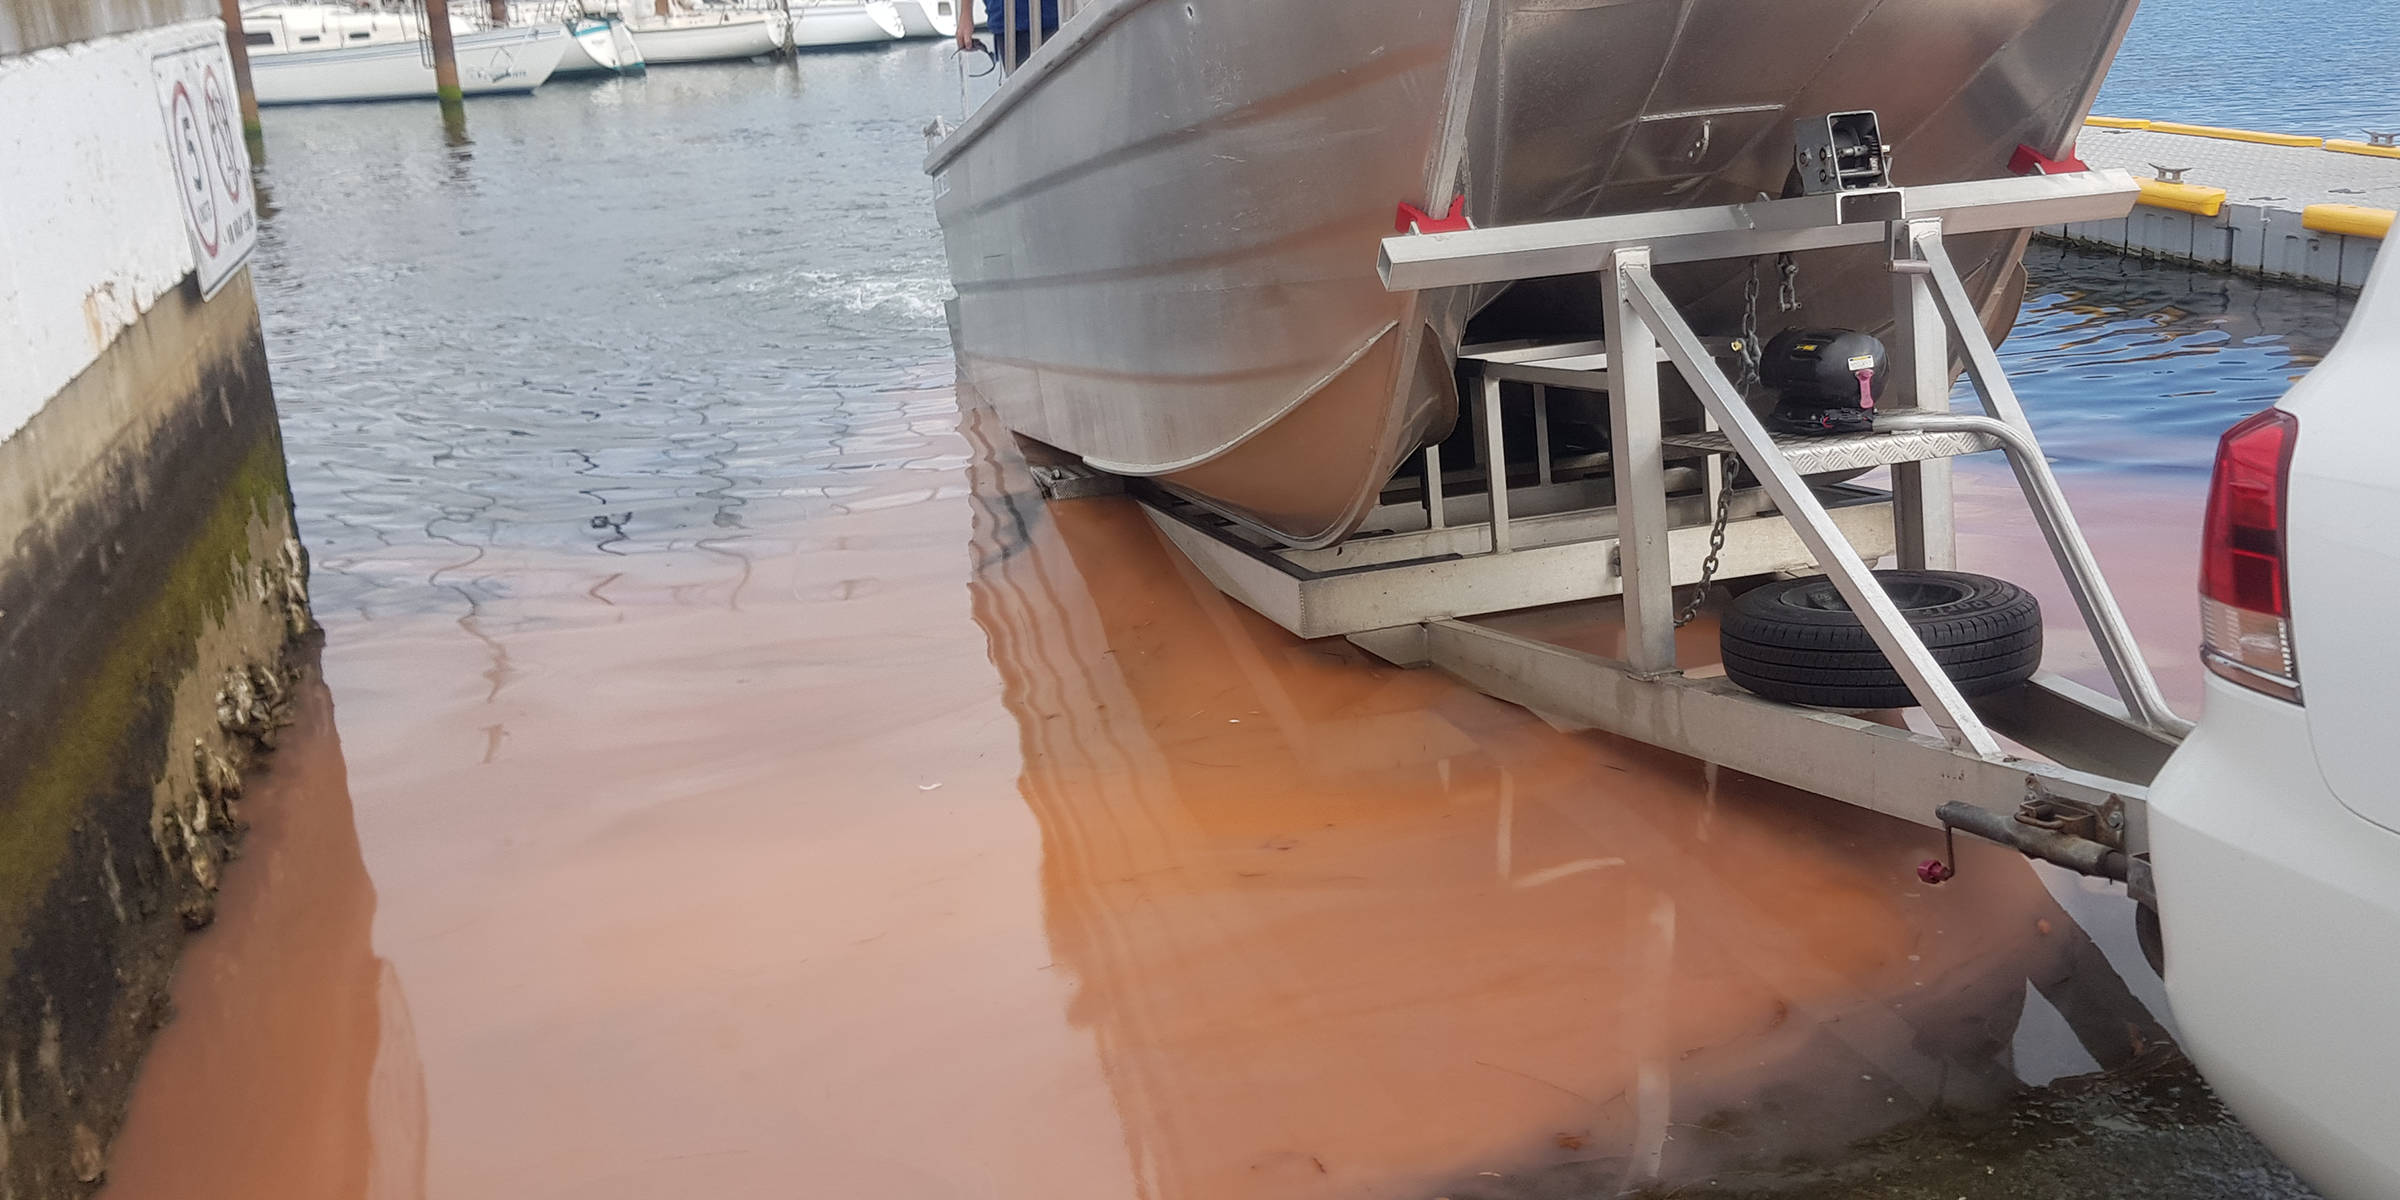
(2349, 220)
(2182, 197)
(2116, 122)
(2346, 146)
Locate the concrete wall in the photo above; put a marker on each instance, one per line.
(152, 599)
(91, 234)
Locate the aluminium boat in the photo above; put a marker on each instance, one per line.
(830, 23)
(1177, 280)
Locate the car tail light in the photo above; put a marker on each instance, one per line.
(2245, 596)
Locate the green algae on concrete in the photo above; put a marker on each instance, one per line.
(87, 752)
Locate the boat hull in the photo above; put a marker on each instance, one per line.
(929, 18)
(709, 37)
(629, 51)
(589, 51)
(501, 60)
(598, 46)
(1185, 288)
(871, 23)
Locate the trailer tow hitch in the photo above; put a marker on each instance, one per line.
(2086, 838)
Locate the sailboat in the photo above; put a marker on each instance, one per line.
(928, 18)
(603, 45)
(685, 33)
(318, 53)
(823, 23)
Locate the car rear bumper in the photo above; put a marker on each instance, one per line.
(2281, 915)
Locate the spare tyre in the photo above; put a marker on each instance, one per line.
(1797, 641)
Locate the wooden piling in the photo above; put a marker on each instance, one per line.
(238, 50)
(445, 55)
(499, 11)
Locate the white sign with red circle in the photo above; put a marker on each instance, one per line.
(212, 165)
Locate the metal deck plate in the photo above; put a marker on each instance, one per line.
(1848, 451)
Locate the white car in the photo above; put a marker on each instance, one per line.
(2275, 829)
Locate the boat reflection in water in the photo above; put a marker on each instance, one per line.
(1163, 228)
(1340, 929)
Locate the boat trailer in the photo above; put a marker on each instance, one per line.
(1636, 521)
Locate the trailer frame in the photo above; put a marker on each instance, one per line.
(1633, 523)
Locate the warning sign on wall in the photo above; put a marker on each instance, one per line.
(212, 166)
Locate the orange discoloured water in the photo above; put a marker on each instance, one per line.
(955, 844)
(2145, 530)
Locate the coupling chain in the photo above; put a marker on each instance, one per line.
(1731, 462)
(1749, 333)
(1716, 543)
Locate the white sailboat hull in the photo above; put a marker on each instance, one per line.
(847, 23)
(929, 18)
(629, 52)
(500, 60)
(591, 50)
(709, 38)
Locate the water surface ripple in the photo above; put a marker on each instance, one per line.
(2322, 67)
(623, 317)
